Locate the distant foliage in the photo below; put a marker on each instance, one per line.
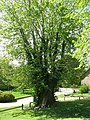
(6, 97)
(84, 89)
(1, 92)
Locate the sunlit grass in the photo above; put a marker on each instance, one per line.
(18, 94)
(64, 110)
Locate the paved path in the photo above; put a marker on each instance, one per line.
(19, 102)
(69, 98)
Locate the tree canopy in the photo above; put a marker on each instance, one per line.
(42, 32)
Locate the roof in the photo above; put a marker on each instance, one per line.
(86, 80)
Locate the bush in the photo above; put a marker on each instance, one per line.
(84, 89)
(6, 97)
(1, 92)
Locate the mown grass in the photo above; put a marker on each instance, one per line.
(62, 110)
(18, 94)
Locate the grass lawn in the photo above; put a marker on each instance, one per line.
(62, 110)
(18, 94)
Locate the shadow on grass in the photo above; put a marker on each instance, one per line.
(62, 109)
(67, 109)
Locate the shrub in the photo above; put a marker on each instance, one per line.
(1, 92)
(6, 97)
(84, 89)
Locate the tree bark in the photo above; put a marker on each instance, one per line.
(63, 49)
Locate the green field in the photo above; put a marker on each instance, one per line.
(18, 94)
(62, 110)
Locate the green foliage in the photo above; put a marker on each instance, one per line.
(84, 89)
(83, 41)
(70, 76)
(22, 77)
(6, 97)
(6, 74)
(41, 33)
(1, 92)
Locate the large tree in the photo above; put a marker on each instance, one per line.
(82, 44)
(41, 32)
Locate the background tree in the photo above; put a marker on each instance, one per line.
(83, 40)
(41, 32)
(6, 75)
(71, 75)
(22, 77)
